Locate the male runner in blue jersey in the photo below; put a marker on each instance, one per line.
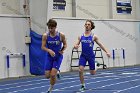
(52, 44)
(87, 54)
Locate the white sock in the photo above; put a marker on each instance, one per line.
(50, 88)
(58, 72)
(83, 84)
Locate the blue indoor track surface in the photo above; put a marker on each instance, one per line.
(113, 80)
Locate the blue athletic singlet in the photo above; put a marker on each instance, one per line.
(87, 51)
(55, 44)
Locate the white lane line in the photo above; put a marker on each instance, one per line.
(23, 82)
(78, 80)
(18, 86)
(78, 91)
(74, 78)
(118, 83)
(105, 80)
(69, 82)
(22, 86)
(27, 89)
(111, 71)
(127, 89)
(136, 69)
(128, 73)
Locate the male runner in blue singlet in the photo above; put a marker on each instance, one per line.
(52, 43)
(87, 54)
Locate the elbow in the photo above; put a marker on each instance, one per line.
(42, 47)
(65, 46)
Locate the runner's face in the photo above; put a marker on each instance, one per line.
(51, 29)
(88, 26)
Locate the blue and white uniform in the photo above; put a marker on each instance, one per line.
(55, 44)
(87, 51)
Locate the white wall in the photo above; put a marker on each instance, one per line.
(138, 41)
(106, 31)
(98, 8)
(14, 4)
(38, 13)
(137, 9)
(112, 33)
(13, 32)
(41, 11)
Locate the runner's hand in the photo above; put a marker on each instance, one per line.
(52, 53)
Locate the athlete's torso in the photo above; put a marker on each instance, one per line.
(54, 43)
(87, 45)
